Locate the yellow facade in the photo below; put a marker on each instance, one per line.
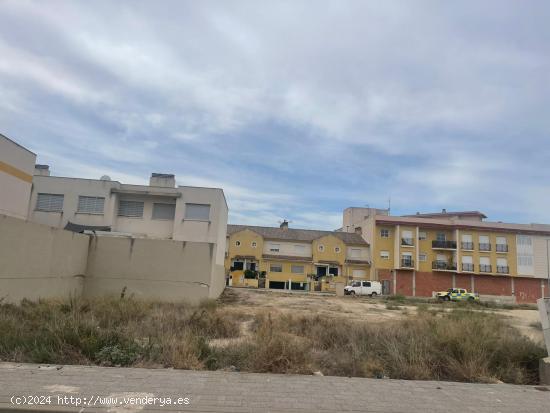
(301, 271)
(424, 253)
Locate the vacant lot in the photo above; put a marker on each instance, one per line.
(284, 333)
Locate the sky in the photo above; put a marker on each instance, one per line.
(297, 109)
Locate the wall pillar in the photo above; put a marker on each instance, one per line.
(454, 280)
(472, 283)
(394, 282)
(414, 283)
(513, 286)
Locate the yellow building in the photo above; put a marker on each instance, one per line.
(297, 259)
(419, 254)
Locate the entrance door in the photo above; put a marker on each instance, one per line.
(321, 271)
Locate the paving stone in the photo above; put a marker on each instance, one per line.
(250, 392)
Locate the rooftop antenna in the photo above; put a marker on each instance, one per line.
(389, 205)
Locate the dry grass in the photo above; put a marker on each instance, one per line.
(460, 344)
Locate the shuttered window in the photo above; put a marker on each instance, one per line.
(164, 211)
(133, 209)
(199, 212)
(91, 204)
(297, 269)
(49, 202)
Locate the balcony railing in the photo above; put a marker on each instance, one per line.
(485, 268)
(407, 242)
(502, 247)
(467, 245)
(467, 267)
(444, 244)
(483, 246)
(407, 263)
(502, 269)
(443, 266)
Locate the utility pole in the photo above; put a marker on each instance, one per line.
(548, 266)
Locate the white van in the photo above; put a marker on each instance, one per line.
(372, 288)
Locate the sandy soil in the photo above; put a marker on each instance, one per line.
(241, 300)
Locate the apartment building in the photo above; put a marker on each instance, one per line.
(297, 259)
(158, 210)
(418, 254)
(16, 170)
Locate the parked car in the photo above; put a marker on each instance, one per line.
(457, 294)
(372, 288)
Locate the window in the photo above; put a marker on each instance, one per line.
(238, 266)
(254, 244)
(49, 203)
(524, 240)
(299, 248)
(441, 236)
(385, 255)
(355, 253)
(133, 209)
(274, 247)
(384, 233)
(423, 257)
(467, 243)
(525, 260)
(333, 271)
(366, 283)
(237, 243)
(422, 235)
(164, 211)
(199, 212)
(275, 268)
(297, 269)
(90, 204)
(321, 248)
(407, 238)
(359, 273)
(337, 250)
(484, 264)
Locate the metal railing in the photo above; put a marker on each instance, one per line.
(467, 267)
(485, 268)
(443, 265)
(502, 247)
(503, 269)
(444, 244)
(407, 242)
(483, 246)
(407, 263)
(467, 245)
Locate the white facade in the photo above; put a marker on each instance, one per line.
(16, 170)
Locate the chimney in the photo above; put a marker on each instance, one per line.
(42, 170)
(358, 230)
(164, 180)
(284, 225)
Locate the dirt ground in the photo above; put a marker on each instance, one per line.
(378, 310)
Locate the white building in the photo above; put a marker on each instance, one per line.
(16, 169)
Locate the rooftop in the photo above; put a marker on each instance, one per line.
(295, 234)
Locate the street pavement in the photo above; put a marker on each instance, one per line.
(103, 389)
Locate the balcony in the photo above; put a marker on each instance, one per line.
(502, 269)
(485, 268)
(407, 242)
(468, 246)
(502, 247)
(484, 246)
(443, 245)
(443, 266)
(407, 263)
(467, 267)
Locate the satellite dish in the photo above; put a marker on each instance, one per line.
(105, 178)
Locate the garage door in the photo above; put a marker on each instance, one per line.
(359, 273)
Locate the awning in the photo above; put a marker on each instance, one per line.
(71, 226)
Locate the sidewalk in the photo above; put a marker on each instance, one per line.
(247, 392)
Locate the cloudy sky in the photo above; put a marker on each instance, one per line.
(297, 109)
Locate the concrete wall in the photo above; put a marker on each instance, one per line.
(156, 269)
(38, 261)
(16, 169)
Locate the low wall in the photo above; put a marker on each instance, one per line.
(152, 269)
(38, 261)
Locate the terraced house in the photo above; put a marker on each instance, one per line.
(418, 254)
(297, 259)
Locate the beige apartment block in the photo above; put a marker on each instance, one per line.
(16, 170)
